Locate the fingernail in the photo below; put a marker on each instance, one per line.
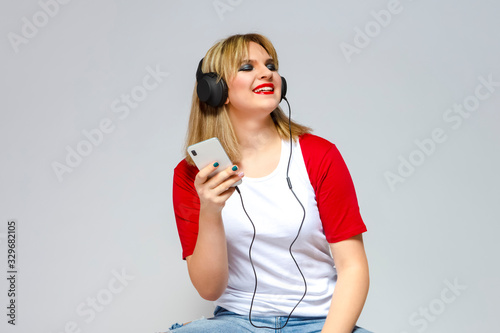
(241, 174)
(235, 168)
(216, 164)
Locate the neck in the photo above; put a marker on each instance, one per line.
(254, 134)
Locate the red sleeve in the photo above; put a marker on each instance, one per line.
(186, 206)
(334, 189)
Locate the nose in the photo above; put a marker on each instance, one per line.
(265, 73)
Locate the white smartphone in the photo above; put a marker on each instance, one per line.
(207, 152)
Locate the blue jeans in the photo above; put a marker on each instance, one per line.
(225, 321)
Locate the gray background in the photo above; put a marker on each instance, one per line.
(112, 214)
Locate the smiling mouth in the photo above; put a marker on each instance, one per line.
(264, 89)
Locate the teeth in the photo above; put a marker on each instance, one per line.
(264, 89)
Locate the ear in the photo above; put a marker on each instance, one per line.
(227, 101)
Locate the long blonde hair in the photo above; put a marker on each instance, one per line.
(205, 122)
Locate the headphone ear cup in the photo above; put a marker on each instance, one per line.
(283, 87)
(210, 90)
(219, 96)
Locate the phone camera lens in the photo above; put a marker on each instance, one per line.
(194, 152)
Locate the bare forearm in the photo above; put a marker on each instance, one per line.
(208, 268)
(348, 300)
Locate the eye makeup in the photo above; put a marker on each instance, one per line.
(247, 65)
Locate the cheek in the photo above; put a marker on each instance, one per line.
(277, 80)
(238, 86)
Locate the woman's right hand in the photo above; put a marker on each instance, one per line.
(208, 265)
(214, 192)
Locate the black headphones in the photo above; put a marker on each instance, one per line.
(214, 92)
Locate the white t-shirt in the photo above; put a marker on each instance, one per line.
(321, 181)
(277, 216)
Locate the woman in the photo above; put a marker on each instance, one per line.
(263, 255)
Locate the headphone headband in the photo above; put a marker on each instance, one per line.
(199, 73)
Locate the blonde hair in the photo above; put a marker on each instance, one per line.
(205, 122)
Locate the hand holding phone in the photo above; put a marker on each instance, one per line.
(207, 152)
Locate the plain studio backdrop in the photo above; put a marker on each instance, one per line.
(96, 102)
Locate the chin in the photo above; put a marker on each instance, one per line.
(270, 107)
(271, 103)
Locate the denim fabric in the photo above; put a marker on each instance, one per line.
(225, 321)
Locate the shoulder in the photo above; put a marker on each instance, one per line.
(185, 168)
(315, 148)
(311, 138)
(184, 173)
(323, 160)
(315, 143)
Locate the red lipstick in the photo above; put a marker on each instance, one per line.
(264, 89)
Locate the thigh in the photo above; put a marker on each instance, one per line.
(222, 322)
(211, 325)
(303, 325)
(311, 325)
(225, 321)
